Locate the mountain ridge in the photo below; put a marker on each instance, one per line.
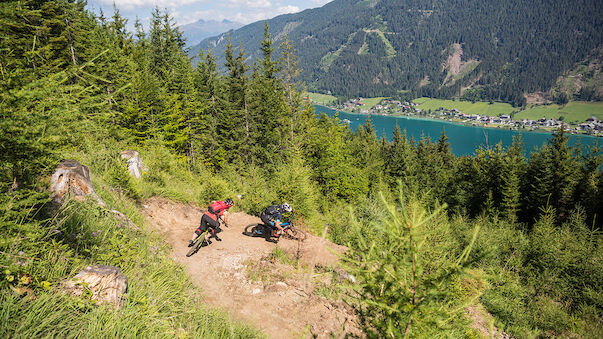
(197, 31)
(375, 48)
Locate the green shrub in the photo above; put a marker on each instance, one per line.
(292, 183)
(405, 275)
(256, 191)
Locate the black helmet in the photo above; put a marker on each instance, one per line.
(229, 202)
(285, 206)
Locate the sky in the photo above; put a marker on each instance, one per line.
(188, 11)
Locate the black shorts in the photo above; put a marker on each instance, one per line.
(207, 221)
(267, 220)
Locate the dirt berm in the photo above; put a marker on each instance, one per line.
(236, 275)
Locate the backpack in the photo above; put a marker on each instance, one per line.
(273, 211)
(217, 207)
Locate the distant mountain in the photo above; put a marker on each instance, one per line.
(197, 31)
(479, 49)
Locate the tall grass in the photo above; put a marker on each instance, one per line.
(38, 253)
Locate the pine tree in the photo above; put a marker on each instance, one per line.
(212, 104)
(268, 108)
(367, 152)
(234, 123)
(405, 273)
(564, 173)
(513, 171)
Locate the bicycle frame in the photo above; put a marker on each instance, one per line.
(197, 243)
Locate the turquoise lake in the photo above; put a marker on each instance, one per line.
(463, 139)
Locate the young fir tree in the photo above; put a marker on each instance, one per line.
(367, 153)
(513, 170)
(234, 123)
(268, 107)
(404, 275)
(211, 96)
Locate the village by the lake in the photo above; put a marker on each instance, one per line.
(591, 126)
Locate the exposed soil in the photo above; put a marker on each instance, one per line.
(537, 98)
(455, 64)
(483, 322)
(283, 303)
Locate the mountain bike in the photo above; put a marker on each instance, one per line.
(198, 242)
(267, 232)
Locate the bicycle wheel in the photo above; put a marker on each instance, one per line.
(253, 230)
(196, 244)
(296, 234)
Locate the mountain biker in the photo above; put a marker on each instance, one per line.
(211, 219)
(273, 215)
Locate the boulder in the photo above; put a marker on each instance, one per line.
(103, 283)
(72, 179)
(135, 165)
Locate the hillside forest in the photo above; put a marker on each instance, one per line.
(429, 234)
(478, 50)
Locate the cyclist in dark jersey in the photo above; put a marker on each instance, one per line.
(273, 215)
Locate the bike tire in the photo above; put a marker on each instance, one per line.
(296, 234)
(250, 230)
(193, 250)
(196, 245)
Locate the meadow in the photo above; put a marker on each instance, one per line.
(575, 111)
(321, 99)
(467, 107)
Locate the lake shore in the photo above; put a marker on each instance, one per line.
(464, 139)
(446, 121)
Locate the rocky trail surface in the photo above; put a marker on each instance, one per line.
(237, 275)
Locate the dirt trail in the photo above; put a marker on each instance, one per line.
(221, 270)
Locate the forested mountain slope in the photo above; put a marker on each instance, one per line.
(433, 48)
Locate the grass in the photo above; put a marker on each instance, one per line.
(390, 52)
(576, 111)
(471, 65)
(160, 301)
(467, 107)
(321, 99)
(371, 102)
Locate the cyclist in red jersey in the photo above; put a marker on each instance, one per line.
(210, 219)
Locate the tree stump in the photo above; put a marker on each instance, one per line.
(72, 179)
(103, 283)
(135, 165)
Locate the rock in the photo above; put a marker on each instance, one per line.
(279, 286)
(256, 291)
(104, 283)
(135, 165)
(72, 179)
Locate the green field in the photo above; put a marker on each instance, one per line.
(467, 107)
(577, 111)
(321, 99)
(371, 102)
